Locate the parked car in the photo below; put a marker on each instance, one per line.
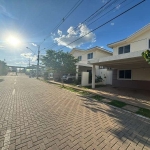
(68, 78)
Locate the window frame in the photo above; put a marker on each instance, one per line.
(79, 57)
(118, 75)
(90, 54)
(123, 49)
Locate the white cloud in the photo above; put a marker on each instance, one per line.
(21, 63)
(118, 6)
(112, 24)
(73, 34)
(26, 55)
(33, 44)
(32, 57)
(59, 33)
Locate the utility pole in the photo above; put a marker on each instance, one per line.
(29, 62)
(38, 60)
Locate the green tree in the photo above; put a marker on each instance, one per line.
(59, 62)
(3, 68)
(146, 55)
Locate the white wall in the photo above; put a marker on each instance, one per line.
(85, 79)
(96, 54)
(141, 74)
(136, 44)
(109, 77)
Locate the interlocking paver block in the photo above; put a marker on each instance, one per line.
(131, 108)
(44, 116)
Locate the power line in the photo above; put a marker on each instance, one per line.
(105, 23)
(108, 4)
(108, 12)
(101, 8)
(64, 19)
(93, 15)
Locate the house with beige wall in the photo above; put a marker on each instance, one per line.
(130, 69)
(85, 56)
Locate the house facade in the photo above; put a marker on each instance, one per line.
(130, 69)
(85, 56)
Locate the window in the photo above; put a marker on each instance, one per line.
(79, 58)
(102, 67)
(124, 49)
(124, 74)
(90, 56)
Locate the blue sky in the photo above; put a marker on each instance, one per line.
(31, 21)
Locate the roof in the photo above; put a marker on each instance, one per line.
(134, 35)
(91, 49)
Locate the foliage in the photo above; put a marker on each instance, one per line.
(3, 68)
(76, 90)
(144, 112)
(60, 62)
(146, 55)
(117, 103)
(98, 97)
(98, 79)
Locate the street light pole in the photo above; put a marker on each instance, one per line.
(29, 62)
(38, 60)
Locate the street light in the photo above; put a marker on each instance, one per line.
(38, 60)
(30, 50)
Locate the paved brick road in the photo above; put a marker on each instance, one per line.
(36, 115)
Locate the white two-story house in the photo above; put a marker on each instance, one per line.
(85, 56)
(129, 67)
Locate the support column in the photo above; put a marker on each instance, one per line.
(93, 76)
(77, 71)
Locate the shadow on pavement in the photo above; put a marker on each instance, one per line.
(126, 126)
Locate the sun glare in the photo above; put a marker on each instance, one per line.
(13, 41)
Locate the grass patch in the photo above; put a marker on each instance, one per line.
(97, 97)
(117, 103)
(144, 112)
(75, 90)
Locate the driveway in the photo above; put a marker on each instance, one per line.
(37, 115)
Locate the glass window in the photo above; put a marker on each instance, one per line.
(120, 50)
(79, 58)
(124, 49)
(90, 56)
(127, 49)
(127, 74)
(121, 73)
